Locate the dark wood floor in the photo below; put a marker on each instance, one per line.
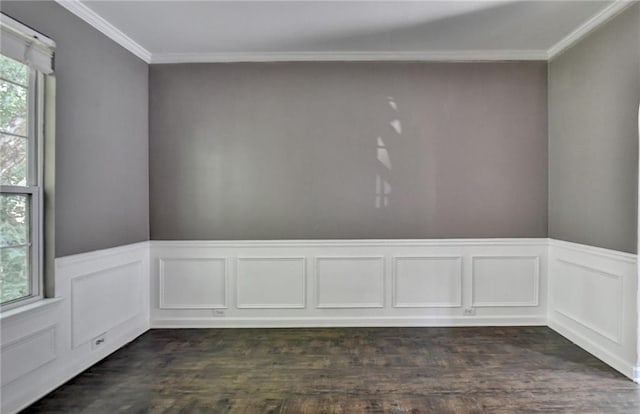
(372, 370)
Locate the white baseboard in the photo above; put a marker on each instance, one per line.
(361, 322)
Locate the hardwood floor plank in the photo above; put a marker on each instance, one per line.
(347, 370)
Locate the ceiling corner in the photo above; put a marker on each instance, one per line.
(582, 31)
(92, 18)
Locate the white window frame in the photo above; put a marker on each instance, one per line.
(35, 50)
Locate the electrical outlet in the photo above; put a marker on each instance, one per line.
(98, 341)
(469, 311)
(218, 313)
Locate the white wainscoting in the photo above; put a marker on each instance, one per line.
(28, 353)
(427, 282)
(505, 281)
(193, 283)
(102, 300)
(593, 302)
(271, 282)
(587, 294)
(99, 294)
(348, 283)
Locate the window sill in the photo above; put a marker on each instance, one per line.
(29, 308)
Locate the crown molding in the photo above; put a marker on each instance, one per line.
(78, 8)
(94, 19)
(352, 56)
(608, 13)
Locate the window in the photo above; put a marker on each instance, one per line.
(22, 69)
(20, 179)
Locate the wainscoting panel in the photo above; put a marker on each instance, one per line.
(101, 304)
(103, 300)
(28, 353)
(427, 282)
(593, 301)
(193, 283)
(505, 280)
(591, 297)
(271, 282)
(350, 282)
(306, 283)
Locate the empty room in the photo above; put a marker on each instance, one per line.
(319, 206)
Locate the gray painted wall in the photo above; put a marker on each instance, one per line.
(594, 89)
(101, 133)
(293, 150)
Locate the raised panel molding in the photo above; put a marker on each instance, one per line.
(427, 281)
(27, 354)
(596, 303)
(349, 282)
(193, 283)
(105, 299)
(348, 279)
(511, 281)
(271, 282)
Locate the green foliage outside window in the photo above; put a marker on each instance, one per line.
(14, 208)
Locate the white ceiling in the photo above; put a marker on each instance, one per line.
(183, 31)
